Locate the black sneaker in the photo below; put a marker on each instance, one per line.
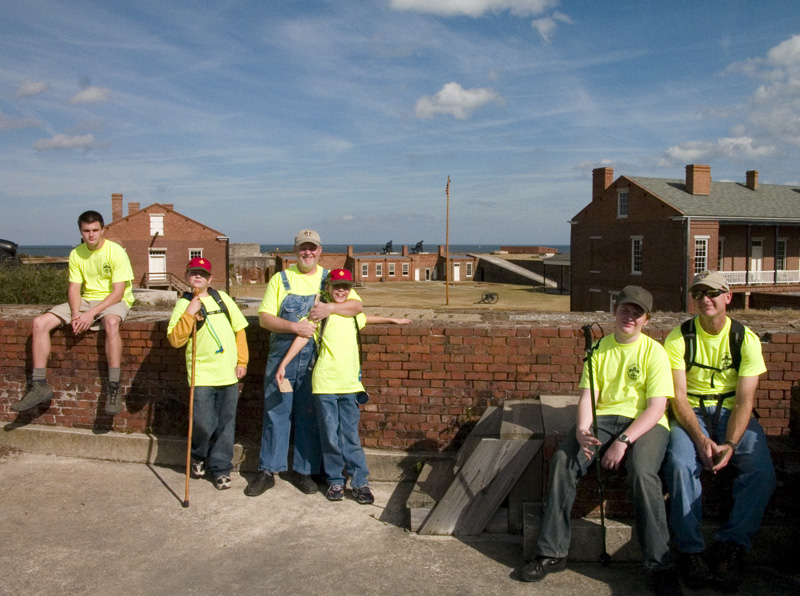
(263, 481)
(113, 399)
(363, 495)
(726, 564)
(335, 492)
(39, 392)
(305, 483)
(665, 583)
(541, 566)
(694, 570)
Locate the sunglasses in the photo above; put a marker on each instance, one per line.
(698, 294)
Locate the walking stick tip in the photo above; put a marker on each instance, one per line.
(186, 503)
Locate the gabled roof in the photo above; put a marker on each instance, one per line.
(145, 210)
(728, 200)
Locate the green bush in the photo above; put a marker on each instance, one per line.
(33, 284)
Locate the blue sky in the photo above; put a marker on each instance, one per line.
(259, 118)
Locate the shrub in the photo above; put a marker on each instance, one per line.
(33, 284)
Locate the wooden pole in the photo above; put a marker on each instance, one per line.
(447, 248)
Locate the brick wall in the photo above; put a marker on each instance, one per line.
(426, 380)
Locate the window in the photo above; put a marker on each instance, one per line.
(364, 269)
(780, 255)
(700, 254)
(469, 270)
(391, 269)
(379, 269)
(405, 269)
(195, 252)
(622, 203)
(720, 254)
(636, 255)
(156, 224)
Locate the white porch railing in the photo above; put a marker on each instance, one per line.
(740, 278)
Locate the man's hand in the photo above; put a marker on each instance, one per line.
(81, 322)
(321, 311)
(612, 458)
(587, 442)
(722, 457)
(706, 451)
(305, 329)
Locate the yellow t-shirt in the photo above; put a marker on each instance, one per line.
(627, 375)
(98, 270)
(714, 350)
(214, 368)
(338, 367)
(301, 285)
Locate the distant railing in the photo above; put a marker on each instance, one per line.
(740, 278)
(164, 280)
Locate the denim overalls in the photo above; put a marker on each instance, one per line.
(280, 407)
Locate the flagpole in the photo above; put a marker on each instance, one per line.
(447, 247)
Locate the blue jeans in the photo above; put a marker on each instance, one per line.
(281, 410)
(338, 417)
(755, 482)
(642, 462)
(213, 427)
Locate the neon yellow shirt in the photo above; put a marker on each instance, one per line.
(214, 368)
(627, 375)
(98, 270)
(714, 350)
(338, 367)
(302, 285)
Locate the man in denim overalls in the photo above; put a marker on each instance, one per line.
(289, 297)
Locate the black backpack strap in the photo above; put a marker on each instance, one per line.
(736, 339)
(690, 342)
(222, 306)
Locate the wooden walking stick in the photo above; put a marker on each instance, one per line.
(191, 409)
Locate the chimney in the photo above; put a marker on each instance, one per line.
(116, 206)
(698, 179)
(169, 206)
(752, 179)
(349, 250)
(602, 178)
(404, 250)
(133, 207)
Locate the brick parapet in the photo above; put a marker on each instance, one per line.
(427, 380)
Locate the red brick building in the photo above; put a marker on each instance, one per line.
(160, 241)
(657, 233)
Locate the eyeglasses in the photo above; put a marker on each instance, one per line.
(698, 294)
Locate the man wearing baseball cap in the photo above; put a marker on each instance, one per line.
(288, 310)
(715, 362)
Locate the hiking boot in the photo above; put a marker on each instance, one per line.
(694, 570)
(222, 482)
(113, 399)
(198, 468)
(363, 495)
(305, 483)
(335, 492)
(541, 566)
(665, 583)
(39, 392)
(263, 481)
(726, 564)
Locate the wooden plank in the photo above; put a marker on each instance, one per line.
(431, 485)
(480, 487)
(487, 427)
(522, 419)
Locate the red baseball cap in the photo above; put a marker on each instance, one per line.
(340, 277)
(199, 263)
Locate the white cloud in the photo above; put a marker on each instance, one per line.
(547, 25)
(9, 124)
(62, 141)
(475, 8)
(91, 95)
(707, 151)
(29, 88)
(453, 99)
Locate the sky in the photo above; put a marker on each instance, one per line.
(262, 117)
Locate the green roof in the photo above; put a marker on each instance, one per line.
(728, 200)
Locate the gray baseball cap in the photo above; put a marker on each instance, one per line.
(635, 295)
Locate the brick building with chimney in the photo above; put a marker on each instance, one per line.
(160, 241)
(657, 233)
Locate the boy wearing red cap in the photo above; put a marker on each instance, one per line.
(335, 383)
(221, 360)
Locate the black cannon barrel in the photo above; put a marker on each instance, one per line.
(9, 247)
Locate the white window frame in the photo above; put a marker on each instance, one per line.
(637, 243)
(364, 270)
(378, 270)
(468, 270)
(623, 202)
(391, 269)
(700, 254)
(405, 269)
(195, 252)
(157, 224)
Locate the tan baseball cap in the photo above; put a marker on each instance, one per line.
(710, 279)
(304, 236)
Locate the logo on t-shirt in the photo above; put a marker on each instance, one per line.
(726, 361)
(634, 371)
(106, 268)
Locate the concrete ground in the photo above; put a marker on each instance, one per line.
(80, 526)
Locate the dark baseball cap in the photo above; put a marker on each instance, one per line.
(635, 295)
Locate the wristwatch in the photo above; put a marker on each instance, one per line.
(732, 445)
(623, 438)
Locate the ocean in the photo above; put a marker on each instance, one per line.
(63, 250)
